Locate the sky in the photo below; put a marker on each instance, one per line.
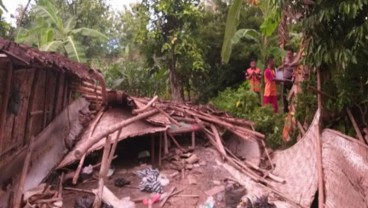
(11, 6)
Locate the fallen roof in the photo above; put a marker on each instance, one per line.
(33, 57)
(113, 116)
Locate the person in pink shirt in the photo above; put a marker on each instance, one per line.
(270, 93)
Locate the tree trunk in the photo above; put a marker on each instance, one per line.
(174, 80)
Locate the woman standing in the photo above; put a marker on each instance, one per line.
(270, 93)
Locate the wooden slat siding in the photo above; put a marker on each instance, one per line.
(38, 103)
(4, 104)
(29, 119)
(24, 80)
(58, 98)
(46, 99)
(52, 86)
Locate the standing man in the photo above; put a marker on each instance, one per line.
(288, 68)
(253, 74)
(270, 93)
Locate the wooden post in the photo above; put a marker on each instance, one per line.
(159, 150)
(166, 143)
(321, 198)
(103, 171)
(193, 139)
(29, 121)
(45, 102)
(4, 102)
(152, 149)
(18, 195)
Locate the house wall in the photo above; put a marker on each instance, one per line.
(41, 95)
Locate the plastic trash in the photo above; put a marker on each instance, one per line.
(210, 203)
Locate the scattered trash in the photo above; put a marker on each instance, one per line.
(120, 182)
(84, 201)
(110, 172)
(252, 201)
(150, 181)
(164, 181)
(153, 199)
(86, 172)
(210, 203)
(233, 193)
(110, 199)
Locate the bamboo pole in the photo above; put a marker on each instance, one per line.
(81, 162)
(103, 171)
(321, 199)
(218, 140)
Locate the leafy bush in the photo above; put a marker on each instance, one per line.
(243, 103)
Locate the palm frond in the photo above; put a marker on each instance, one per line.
(52, 46)
(49, 12)
(250, 34)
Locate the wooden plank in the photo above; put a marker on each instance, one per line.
(51, 94)
(4, 103)
(38, 102)
(29, 119)
(58, 100)
(24, 80)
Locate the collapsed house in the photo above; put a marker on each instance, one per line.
(55, 113)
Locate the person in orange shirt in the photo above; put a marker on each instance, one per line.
(270, 93)
(253, 74)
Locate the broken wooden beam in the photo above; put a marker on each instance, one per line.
(103, 171)
(149, 104)
(80, 150)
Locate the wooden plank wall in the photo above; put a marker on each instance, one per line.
(42, 95)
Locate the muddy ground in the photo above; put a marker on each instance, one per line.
(206, 173)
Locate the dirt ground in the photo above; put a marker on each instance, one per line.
(206, 173)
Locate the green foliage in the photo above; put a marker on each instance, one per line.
(49, 32)
(306, 103)
(243, 103)
(232, 22)
(2, 7)
(4, 26)
(132, 77)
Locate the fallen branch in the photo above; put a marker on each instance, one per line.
(103, 171)
(162, 204)
(355, 125)
(78, 190)
(176, 143)
(83, 148)
(140, 110)
(81, 162)
(218, 140)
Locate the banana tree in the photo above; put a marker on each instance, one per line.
(272, 18)
(49, 32)
(266, 45)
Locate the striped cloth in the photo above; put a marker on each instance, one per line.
(150, 182)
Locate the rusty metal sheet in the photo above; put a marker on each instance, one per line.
(113, 116)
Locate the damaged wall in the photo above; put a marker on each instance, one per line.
(49, 148)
